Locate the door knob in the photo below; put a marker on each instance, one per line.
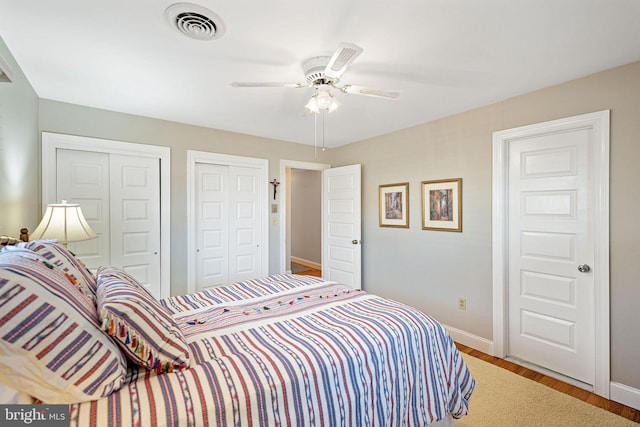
(584, 268)
(355, 241)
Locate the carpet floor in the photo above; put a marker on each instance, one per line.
(502, 398)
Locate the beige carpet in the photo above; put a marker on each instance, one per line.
(502, 398)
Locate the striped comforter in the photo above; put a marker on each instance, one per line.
(295, 350)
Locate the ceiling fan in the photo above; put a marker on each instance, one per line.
(323, 73)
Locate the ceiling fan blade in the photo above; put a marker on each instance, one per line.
(267, 84)
(366, 91)
(341, 59)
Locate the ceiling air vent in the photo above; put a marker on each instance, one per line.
(195, 21)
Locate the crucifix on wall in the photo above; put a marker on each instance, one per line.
(275, 184)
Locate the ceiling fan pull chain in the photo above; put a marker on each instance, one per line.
(315, 135)
(322, 130)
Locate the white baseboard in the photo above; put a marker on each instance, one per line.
(470, 340)
(624, 394)
(306, 263)
(620, 393)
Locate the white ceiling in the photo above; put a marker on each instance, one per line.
(444, 56)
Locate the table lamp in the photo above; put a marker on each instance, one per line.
(65, 223)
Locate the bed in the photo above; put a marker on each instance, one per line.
(279, 350)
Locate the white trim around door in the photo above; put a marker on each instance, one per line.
(194, 157)
(598, 124)
(54, 141)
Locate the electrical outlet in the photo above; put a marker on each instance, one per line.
(462, 304)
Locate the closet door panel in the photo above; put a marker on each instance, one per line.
(212, 224)
(135, 201)
(83, 178)
(245, 227)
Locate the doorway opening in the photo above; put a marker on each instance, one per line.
(300, 236)
(305, 222)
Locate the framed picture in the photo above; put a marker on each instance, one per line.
(393, 205)
(442, 205)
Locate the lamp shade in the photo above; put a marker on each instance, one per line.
(65, 223)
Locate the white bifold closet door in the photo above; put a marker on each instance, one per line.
(120, 198)
(228, 227)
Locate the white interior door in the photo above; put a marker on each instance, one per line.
(245, 227)
(341, 225)
(135, 218)
(551, 221)
(212, 255)
(551, 301)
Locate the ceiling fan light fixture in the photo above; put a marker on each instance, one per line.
(334, 105)
(312, 105)
(322, 99)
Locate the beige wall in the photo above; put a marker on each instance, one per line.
(430, 270)
(19, 151)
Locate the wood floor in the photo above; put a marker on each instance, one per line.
(609, 405)
(309, 272)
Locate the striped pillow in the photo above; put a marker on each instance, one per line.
(51, 346)
(124, 276)
(140, 325)
(28, 253)
(64, 260)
